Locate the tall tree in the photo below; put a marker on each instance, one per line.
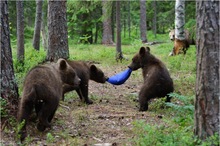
(129, 19)
(180, 19)
(180, 43)
(44, 26)
(119, 55)
(208, 69)
(57, 31)
(154, 3)
(37, 28)
(143, 21)
(107, 27)
(20, 30)
(9, 88)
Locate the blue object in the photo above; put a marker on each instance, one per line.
(120, 78)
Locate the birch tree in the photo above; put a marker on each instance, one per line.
(208, 70)
(179, 19)
(180, 43)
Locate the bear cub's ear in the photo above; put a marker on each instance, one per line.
(93, 68)
(148, 49)
(62, 64)
(142, 51)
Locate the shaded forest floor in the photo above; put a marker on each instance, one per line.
(108, 121)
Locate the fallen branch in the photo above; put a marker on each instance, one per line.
(65, 107)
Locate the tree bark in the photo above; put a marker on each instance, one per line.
(44, 26)
(143, 23)
(208, 68)
(180, 43)
(20, 30)
(36, 39)
(155, 18)
(9, 88)
(57, 31)
(107, 28)
(129, 19)
(119, 55)
(180, 19)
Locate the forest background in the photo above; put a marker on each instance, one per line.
(170, 126)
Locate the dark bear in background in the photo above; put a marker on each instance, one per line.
(86, 71)
(157, 80)
(42, 90)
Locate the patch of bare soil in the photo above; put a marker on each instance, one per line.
(108, 121)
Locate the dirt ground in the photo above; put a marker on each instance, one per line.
(109, 121)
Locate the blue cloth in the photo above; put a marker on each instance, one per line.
(120, 78)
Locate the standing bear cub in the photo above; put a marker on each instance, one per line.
(157, 81)
(86, 71)
(42, 90)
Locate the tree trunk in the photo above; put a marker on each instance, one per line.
(208, 68)
(143, 23)
(57, 31)
(107, 28)
(44, 27)
(113, 21)
(9, 88)
(44, 34)
(119, 55)
(155, 18)
(129, 19)
(180, 19)
(36, 39)
(180, 43)
(20, 30)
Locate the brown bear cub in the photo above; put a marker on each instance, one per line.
(86, 71)
(157, 80)
(42, 90)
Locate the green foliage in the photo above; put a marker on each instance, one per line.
(50, 138)
(32, 58)
(161, 135)
(212, 140)
(84, 39)
(19, 127)
(3, 104)
(177, 129)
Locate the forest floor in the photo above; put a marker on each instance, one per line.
(109, 120)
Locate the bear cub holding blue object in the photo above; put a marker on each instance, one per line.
(157, 80)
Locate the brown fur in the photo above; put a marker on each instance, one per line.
(86, 71)
(157, 81)
(181, 46)
(42, 90)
